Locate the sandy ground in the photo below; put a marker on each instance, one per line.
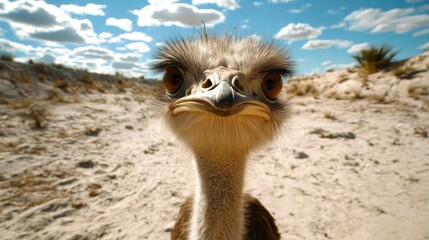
(352, 163)
(105, 168)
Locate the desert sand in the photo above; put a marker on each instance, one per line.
(351, 163)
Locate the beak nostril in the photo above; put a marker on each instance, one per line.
(207, 83)
(236, 83)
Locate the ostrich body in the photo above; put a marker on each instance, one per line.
(223, 101)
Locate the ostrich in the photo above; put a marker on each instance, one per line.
(223, 98)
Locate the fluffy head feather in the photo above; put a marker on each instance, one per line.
(249, 56)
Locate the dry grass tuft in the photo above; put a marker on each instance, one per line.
(87, 78)
(403, 71)
(20, 104)
(342, 78)
(417, 91)
(55, 95)
(329, 115)
(42, 68)
(62, 84)
(421, 131)
(301, 88)
(20, 77)
(39, 114)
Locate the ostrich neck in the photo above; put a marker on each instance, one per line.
(217, 211)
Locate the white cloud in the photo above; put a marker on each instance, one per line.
(177, 14)
(328, 65)
(245, 24)
(422, 32)
(257, 4)
(88, 9)
(140, 47)
(299, 10)
(130, 57)
(123, 65)
(105, 35)
(46, 22)
(94, 52)
(133, 36)
(293, 32)
(356, 48)
(395, 20)
(123, 23)
(314, 71)
(228, 4)
(424, 46)
(322, 44)
(280, 1)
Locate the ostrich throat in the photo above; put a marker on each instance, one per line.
(218, 211)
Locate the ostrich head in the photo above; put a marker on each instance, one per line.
(223, 92)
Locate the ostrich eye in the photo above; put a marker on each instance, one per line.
(173, 80)
(271, 85)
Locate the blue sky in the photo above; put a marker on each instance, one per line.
(121, 36)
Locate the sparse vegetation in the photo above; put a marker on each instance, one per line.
(301, 88)
(329, 115)
(42, 68)
(88, 79)
(416, 91)
(421, 131)
(38, 113)
(7, 57)
(62, 84)
(20, 77)
(376, 58)
(57, 65)
(404, 71)
(342, 78)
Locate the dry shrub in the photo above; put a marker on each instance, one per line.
(55, 95)
(62, 84)
(300, 88)
(421, 131)
(417, 91)
(20, 77)
(42, 68)
(42, 77)
(95, 87)
(87, 78)
(7, 57)
(121, 85)
(330, 115)
(356, 94)
(342, 78)
(39, 114)
(57, 65)
(403, 71)
(20, 104)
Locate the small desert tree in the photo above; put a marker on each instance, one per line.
(375, 58)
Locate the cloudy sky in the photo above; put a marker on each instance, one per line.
(121, 36)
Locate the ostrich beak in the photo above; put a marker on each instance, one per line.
(223, 97)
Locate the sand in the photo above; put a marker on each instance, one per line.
(105, 167)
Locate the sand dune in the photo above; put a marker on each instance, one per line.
(352, 163)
